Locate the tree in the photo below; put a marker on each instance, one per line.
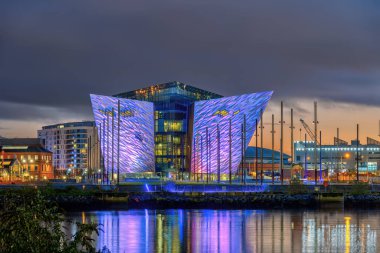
(30, 223)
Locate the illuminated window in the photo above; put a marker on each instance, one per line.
(176, 140)
(173, 126)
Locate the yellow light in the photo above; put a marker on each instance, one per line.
(347, 155)
(348, 234)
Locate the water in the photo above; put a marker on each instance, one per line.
(236, 230)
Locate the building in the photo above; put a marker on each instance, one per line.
(70, 144)
(175, 129)
(24, 160)
(339, 160)
(250, 159)
(173, 109)
(9, 168)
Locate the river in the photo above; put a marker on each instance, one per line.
(236, 230)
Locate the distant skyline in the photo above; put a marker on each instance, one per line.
(54, 54)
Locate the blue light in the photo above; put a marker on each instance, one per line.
(214, 113)
(136, 133)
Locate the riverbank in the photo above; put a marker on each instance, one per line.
(215, 201)
(90, 198)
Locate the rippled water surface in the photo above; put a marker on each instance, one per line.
(236, 230)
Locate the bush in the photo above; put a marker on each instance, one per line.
(30, 223)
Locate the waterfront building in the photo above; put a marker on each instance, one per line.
(176, 129)
(70, 144)
(252, 161)
(173, 115)
(339, 161)
(24, 160)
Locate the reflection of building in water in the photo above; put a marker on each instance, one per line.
(235, 231)
(337, 233)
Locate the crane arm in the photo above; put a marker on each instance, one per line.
(309, 131)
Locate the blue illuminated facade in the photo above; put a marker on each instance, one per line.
(173, 119)
(174, 116)
(222, 130)
(134, 146)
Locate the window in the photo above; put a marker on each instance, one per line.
(176, 140)
(173, 126)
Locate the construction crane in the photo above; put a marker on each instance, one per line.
(309, 131)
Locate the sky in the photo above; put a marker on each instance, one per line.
(53, 54)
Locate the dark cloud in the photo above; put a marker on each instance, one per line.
(38, 113)
(53, 54)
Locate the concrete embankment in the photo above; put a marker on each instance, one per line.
(93, 197)
(214, 201)
(176, 200)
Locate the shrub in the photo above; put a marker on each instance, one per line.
(30, 223)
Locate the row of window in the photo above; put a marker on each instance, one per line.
(27, 158)
(171, 162)
(167, 139)
(169, 126)
(35, 168)
(162, 152)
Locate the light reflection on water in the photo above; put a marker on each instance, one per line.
(236, 230)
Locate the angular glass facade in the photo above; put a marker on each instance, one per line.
(134, 120)
(223, 129)
(173, 127)
(173, 116)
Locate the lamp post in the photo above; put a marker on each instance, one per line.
(256, 153)
(261, 147)
(118, 142)
(357, 152)
(230, 155)
(272, 132)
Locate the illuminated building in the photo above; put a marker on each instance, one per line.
(160, 126)
(339, 158)
(69, 144)
(250, 161)
(134, 121)
(222, 130)
(23, 161)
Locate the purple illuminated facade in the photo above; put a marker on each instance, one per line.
(222, 131)
(178, 129)
(128, 136)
